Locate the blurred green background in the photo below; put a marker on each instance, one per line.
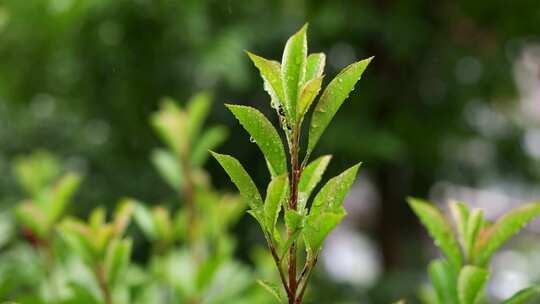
(449, 108)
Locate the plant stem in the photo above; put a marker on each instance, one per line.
(102, 282)
(293, 202)
(189, 197)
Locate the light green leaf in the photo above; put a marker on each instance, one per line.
(272, 289)
(241, 179)
(275, 195)
(62, 194)
(197, 109)
(471, 281)
(117, 260)
(318, 227)
(171, 123)
(168, 167)
(144, 219)
(505, 227)
(444, 279)
(293, 69)
(439, 229)
(308, 92)
(311, 176)
(331, 100)
(460, 212)
(210, 139)
(295, 223)
(33, 218)
(315, 65)
(523, 296)
(163, 223)
(474, 225)
(271, 73)
(331, 196)
(264, 134)
(122, 215)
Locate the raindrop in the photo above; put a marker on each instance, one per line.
(251, 139)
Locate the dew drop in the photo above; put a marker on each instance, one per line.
(251, 139)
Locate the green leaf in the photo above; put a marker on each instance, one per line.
(62, 194)
(471, 282)
(439, 229)
(460, 212)
(275, 195)
(331, 196)
(264, 134)
(444, 279)
(197, 109)
(271, 73)
(33, 218)
(505, 227)
(331, 100)
(117, 260)
(168, 167)
(293, 69)
(474, 225)
(294, 220)
(122, 215)
(523, 296)
(318, 227)
(308, 92)
(210, 139)
(163, 223)
(241, 179)
(170, 123)
(144, 219)
(272, 289)
(36, 171)
(311, 176)
(315, 65)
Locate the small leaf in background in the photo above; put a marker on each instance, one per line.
(311, 176)
(308, 92)
(241, 179)
(33, 218)
(474, 224)
(471, 282)
(273, 289)
(315, 65)
(444, 278)
(275, 195)
(122, 215)
(197, 109)
(460, 212)
(523, 296)
(168, 167)
(331, 100)
(271, 73)
(170, 123)
(163, 224)
(265, 135)
(117, 259)
(293, 69)
(439, 229)
(209, 140)
(36, 171)
(503, 229)
(62, 194)
(144, 219)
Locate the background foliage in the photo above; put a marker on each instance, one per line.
(447, 108)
